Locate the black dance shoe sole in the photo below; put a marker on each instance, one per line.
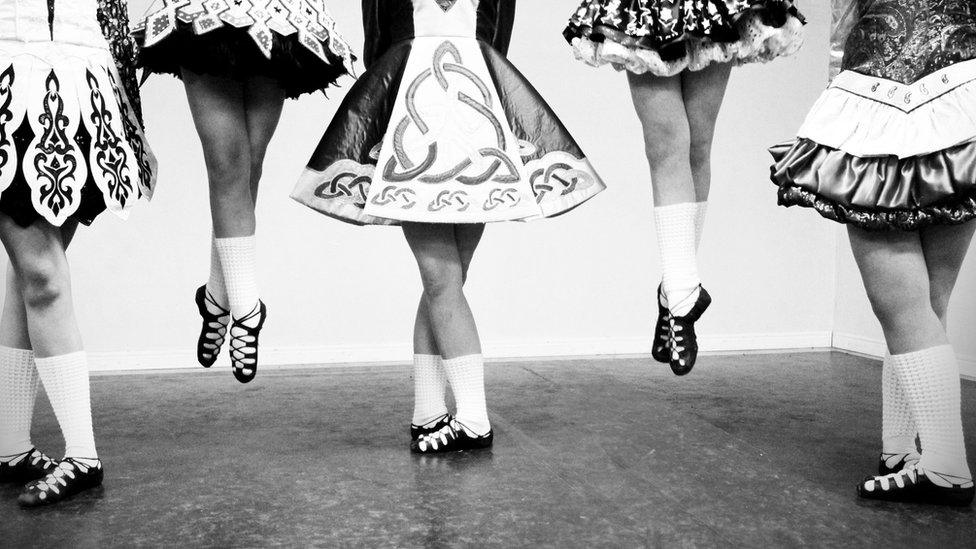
(684, 339)
(67, 480)
(32, 467)
(917, 490)
(205, 356)
(661, 348)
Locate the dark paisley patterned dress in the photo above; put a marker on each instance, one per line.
(665, 37)
(891, 144)
(442, 128)
(71, 140)
(293, 41)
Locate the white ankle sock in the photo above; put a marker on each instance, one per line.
(701, 208)
(237, 261)
(930, 380)
(676, 237)
(466, 375)
(18, 392)
(429, 389)
(66, 383)
(215, 285)
(898, 431)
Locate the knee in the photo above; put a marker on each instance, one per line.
(700, 152)
(42, 282)
(893, 310)
(666, 142)
(442, 280)
(229, 168)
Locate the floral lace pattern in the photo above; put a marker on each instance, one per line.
(113, 16)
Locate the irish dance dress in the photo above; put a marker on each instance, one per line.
(666, 37)
(442, 128)
(71, 139)
(293, 41)
(891, 143)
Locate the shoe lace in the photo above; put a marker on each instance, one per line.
(56, 479)
(909, 473)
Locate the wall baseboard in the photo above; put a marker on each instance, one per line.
(876, 348)
(332, 355)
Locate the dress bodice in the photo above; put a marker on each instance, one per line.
(389, 21)
(66, 21)
(905, 40)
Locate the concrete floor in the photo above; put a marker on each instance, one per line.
(747, 451)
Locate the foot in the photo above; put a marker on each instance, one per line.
(913, 485)
(889, 464)
(70, 477)
(684, 340)
(214, 329)
(453, 437)
(244, 334)
(416, 431)
(660, 351)
(22, 468)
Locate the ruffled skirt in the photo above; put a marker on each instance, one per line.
(883, 155)
(445, 130)
(666, 37)
(295, 43)
(70, 142)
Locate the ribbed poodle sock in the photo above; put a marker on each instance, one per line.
(898, 431)
(930, 381)
(18, 393)
(466, 374)
(239, 266)
(216, 289)
(429, 390)
(701, 209)
(66, 383)
(676, 237)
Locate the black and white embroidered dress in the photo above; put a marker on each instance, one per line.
(71, 139)
(442, 128)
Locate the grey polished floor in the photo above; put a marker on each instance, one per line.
(747, 451)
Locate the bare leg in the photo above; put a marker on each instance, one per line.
(945, 248)
(703, 92)
(667, 135)
(263, 102)
(217, 106)
(436, 251)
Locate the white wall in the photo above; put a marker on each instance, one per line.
(580, 284)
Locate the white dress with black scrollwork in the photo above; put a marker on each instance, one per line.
(71, 143)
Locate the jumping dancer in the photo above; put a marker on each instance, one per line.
(238, 62)
(443, 135)
(678, 55)
(888, 149)
(71, 146)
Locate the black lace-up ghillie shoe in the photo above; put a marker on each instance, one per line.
(889, 464)
(684, 340)
(451, 438)
(23, 468)
(69, 478)
(416, 431)
(661, 350)
(912, 485)
(214, 329)
(244, 334)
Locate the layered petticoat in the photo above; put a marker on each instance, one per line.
(883, 155)
(292, 41)
(71, 145)
(666, 37)
(445, 130)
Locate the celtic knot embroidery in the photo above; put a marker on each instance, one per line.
(110, 156)
(404, 198)
(56, 159)
(559, 174)
(6, 114)
(457, 200)
(502, 197)
(345, 185)
(491, 164)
